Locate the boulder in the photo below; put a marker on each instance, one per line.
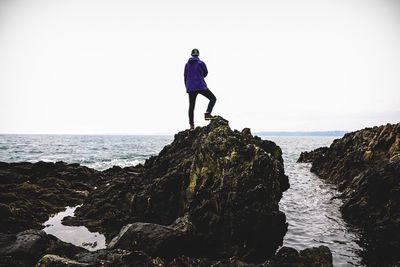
(286, 257)
(27, 247)
(366, 167)
(229, 184)
(310, 156)
(58, 261)
(108, 208)
(210, 198)
(31, 192)
(102, 258)
(153, 239)
(311, 257)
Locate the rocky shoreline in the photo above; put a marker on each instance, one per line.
(211, 197)
(29, 193)
(365, 165)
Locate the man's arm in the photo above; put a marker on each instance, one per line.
(185, 74)
(205, 71)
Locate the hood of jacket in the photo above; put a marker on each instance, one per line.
(193, 59)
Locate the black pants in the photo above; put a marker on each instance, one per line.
(192, 101)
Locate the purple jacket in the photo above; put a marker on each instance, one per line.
(195, 71)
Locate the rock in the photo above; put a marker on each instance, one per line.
(310, 257)
(27, 247)
(104, 258)
(184, 261)
(229, 184)
(57, 261)
(309, 157)
(27, 244)
(366, 167)
(210, 198)
(316, 257)
(30, 193)
(286, 257)
(119, 257)
(153, 239)
(107, 208)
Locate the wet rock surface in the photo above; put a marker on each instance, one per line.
(310, 257)
(105, 258)
(27, 247)
(29, 192)
(210, 198)
(228, 183)
(366, 167)
(286, 257)
(154, 239)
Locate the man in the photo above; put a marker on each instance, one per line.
(195, 72)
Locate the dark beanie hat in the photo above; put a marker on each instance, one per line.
(195, 52)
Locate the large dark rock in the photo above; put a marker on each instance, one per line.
(27, 247)
(102, 258)
(310, 257)
(366, 167)
(227, 182)
(108, 207)
(286, 257)
(311, 156)
(210, 198)
(51, 260)
(30, 193)
(154, 239)
(36, 248)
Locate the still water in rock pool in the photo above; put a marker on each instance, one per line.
(77, 235)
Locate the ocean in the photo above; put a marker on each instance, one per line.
(99, 152)
(311, 205)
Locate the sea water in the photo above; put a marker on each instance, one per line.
(95, 151)
(311, 205)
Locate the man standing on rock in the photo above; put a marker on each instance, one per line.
(195, 72)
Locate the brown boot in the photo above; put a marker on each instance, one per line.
(208, 116)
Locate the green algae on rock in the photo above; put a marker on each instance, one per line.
(210, 198)
(227, 182)
(31, 192)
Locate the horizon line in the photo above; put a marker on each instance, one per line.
(262, 132)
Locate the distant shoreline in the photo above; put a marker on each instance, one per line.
(262, 133)
(301, 133)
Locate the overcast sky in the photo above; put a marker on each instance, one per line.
(116, 67)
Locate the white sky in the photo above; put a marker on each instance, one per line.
(116, 67)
